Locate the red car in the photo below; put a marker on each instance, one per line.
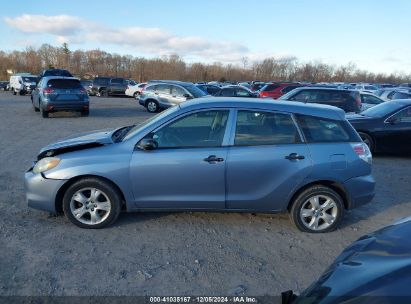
(276, 90)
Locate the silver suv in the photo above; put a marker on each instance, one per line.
(165, 94)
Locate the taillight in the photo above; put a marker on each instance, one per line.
(363, 152)
(263, 94)
(48, 91)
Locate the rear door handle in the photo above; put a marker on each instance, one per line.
(213, 159)
(294, 156)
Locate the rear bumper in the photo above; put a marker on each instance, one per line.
(53, 106)
(361, 190)
(41, 192)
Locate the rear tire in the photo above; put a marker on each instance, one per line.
(44, 114)
(34, 107)
(85, 113)
(86, 210)
(14, 91)
(21, 93)
(367, 139)
(317, 209)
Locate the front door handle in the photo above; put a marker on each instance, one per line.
(295, 156)
(212, 159)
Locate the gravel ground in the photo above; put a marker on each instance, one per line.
(160, 253)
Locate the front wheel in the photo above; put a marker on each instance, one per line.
(317, 209)
(92, 203)
(152, 106)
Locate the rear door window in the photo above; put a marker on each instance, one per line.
(370, 99)
(64, 84)
(163, 89)
(321, 130)
(265, 128)
(242, 93)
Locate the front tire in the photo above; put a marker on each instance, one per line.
(317, 209)
(152, 106)
(14, 92)
(92, 203)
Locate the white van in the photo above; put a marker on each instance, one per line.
(23, 83)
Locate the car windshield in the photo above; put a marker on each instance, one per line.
(145, 123)
(382, 109)
(196, 92)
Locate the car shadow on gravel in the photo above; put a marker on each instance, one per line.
(133, 218)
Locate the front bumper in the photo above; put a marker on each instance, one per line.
(41, 192)
(361, 190)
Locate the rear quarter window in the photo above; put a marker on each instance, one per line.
(321, 130)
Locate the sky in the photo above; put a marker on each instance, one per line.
(374, 35)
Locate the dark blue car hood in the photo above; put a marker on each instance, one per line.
(78, 142)
(376, 266)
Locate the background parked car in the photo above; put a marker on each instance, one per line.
(23, 83)
(256, 85)
(208, 88)
(386, 127)
(4, 85)
(349, 101)
(386, 93)
(235, 91)
(369, 100)
(55, 72)
(54, 93)
(373, 269)
(133, 90)
(162, 95)
(276, 90)
(107, 86)
(400, 94)
(366, 88)
(87, 84)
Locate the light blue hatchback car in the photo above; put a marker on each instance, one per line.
(210, 154)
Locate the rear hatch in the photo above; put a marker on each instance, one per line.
(65, 90)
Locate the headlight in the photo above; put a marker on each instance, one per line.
(45, 164)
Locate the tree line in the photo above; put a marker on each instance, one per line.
(91, 63)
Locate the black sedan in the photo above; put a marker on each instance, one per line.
(373, 269)
(236, 91)
(385, 128)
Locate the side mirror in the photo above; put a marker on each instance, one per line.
(188, 96)
(392, 120)
(147, 144)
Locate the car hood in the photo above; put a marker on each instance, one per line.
(376, 264)
(78, 142)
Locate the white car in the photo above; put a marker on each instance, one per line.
(135, 90)
(386, 94)
(369, 100)
(366, 88)
(23, 83)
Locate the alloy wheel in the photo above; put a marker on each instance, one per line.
(90, 206)
(318, 212)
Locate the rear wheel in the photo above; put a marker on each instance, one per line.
(44, 113)
(317, 209)
(135, 95)
(14, 91)
(85, 113)
(367, 139)
(152, 106)
(92, 203)
(34, 107)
